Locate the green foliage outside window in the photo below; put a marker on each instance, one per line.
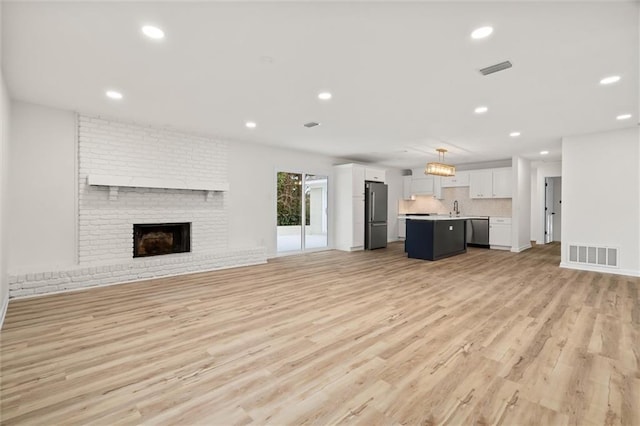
(289, 205)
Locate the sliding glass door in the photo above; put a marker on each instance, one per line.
(301, 212)
(289, 211)
(315, 196)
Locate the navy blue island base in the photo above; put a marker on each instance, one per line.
(435, 239)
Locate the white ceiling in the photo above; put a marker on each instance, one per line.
(403, 75)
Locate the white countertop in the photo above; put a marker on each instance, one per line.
(440, 217)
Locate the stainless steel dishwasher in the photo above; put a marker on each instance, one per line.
(478, 232)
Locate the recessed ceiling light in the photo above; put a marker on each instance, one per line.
(544, 152)
(481, 110)
(325, 96)
(250, 124)
(610, 80)
(514, 134)
(113, 94)
(481, 32)
(623, 117)
(153, 32)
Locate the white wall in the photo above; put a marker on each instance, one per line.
(4, 195)
(540, 171)
(252, 194)
(45, 190)
(42, 196)
(521, 205)
(44, 169)
(601, 196)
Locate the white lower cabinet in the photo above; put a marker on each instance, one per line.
(500, 233)
(402, 229)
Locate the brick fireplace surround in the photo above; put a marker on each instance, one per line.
(131, 174)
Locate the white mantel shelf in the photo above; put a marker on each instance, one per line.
(115, 182)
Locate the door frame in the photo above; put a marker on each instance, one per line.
(549, 191)
(302, 249)
(548, 210)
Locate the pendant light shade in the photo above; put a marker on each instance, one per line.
(440, 168)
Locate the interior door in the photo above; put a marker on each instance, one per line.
(548, 210)
(557, 208)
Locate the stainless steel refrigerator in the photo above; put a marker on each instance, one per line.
(375, 216)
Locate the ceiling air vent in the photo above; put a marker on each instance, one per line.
(311, 124)
(495, 68)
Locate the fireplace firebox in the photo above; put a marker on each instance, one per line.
(153, 239)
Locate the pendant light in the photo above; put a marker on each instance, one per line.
(439, 168)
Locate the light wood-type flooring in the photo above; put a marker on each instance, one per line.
(488, 337)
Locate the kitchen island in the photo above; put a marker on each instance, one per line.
(436, 237)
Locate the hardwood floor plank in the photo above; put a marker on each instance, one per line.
(375, 338)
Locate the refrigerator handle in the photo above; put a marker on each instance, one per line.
(372, 202)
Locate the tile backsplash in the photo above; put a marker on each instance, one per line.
(500, 207)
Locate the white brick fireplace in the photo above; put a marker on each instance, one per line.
(130, 174)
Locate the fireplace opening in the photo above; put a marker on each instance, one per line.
(153, 239)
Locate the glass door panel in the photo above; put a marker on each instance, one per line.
(290, 211)
(315, 196)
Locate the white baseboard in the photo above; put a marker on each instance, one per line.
(591, 268)
(3, 312)
(73, 290)
(521, 248)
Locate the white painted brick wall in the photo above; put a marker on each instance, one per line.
(120, 149)
(26, 285)
(105, 227)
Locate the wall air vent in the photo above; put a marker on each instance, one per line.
(311, 124)
(591, 255)
(495, 68)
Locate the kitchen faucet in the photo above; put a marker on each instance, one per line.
(455, 208)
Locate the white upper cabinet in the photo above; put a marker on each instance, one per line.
(437, 187)
(375, 175)
(422, 186)
(406, 187)
(493, 183)
(358, 174)
(460, 179)
(481, 184)
(502, 182)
